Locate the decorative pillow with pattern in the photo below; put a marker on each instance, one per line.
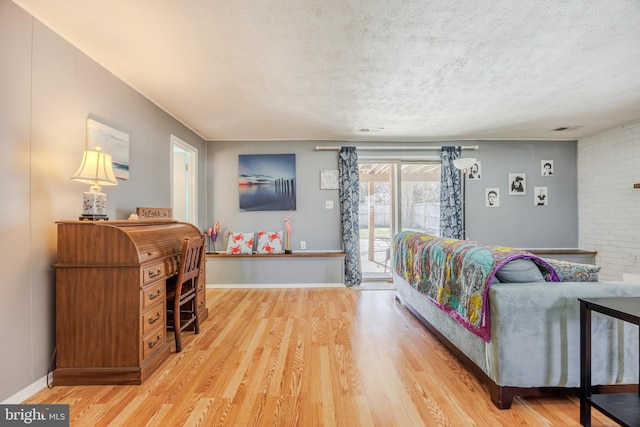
(240, 243)
(575, 272)
(269, 242)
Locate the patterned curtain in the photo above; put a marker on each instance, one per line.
(349, 192)
(450, 194)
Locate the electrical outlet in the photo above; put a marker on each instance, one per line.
(303, 245)
(329, 204)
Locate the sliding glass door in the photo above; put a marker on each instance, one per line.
(420, 196)
(394, 195)
(377, 218)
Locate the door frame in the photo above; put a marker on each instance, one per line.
(396, 207)
(191, 179)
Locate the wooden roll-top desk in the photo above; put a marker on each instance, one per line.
(110, 298)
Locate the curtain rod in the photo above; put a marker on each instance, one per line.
(399, 148)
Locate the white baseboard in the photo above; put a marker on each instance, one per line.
(27, 392)
(272, 285)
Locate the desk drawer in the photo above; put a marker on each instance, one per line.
(153, 317)
(153, 341)
(151, 295)
(153, 273)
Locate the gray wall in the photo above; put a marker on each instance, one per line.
(310, 222)
(517, 222)
(48, 90)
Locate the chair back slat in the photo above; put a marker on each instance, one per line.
(183, 295)
(191, 259)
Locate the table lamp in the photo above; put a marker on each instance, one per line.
(96, 169)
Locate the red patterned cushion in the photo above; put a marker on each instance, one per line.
(269, 242)
(240, 243)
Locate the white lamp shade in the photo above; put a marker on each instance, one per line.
(96, 169)
(464, 163)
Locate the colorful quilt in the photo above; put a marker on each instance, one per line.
(456, 274)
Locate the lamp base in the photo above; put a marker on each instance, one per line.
(94, 217)
(94, 205)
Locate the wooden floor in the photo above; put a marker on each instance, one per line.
(308, 357)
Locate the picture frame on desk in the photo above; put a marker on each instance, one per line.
(163, 214)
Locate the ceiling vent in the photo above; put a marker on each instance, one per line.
(369, 130)
(566, 128)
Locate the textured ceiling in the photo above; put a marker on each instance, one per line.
(405, 70)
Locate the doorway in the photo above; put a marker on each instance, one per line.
(184, 194)
(394, 196)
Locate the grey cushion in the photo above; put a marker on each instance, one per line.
(519, 270)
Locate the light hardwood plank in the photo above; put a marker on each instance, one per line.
(309, 357)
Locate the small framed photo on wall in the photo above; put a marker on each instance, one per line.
(475, 171)
(492, 197)
(517, 184)
(329, 179)
(546, 167)
(540, 196)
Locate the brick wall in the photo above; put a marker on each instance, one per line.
(608, 205)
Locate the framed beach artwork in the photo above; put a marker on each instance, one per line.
(517, 184)
(112, 141)
(267, 182)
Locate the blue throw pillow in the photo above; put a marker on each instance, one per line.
(519, 270)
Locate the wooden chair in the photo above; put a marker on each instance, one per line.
(182, 309)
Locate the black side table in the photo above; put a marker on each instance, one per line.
(624, 408)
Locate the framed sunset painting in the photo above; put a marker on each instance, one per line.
(267, 182)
